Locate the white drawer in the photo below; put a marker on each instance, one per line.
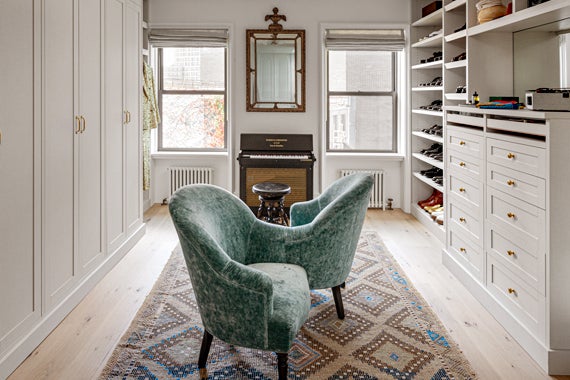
(464, 165)
(525, 304)
(467, 254)
(473, 119)
(467, 189)
(463, 218)
(528, 263)
(465, 142)
(528, 159)
(517, 216)
(531, 126)
(526, 187)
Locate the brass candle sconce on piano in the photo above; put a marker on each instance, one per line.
(275, 68)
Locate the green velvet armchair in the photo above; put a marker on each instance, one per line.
(252, 279)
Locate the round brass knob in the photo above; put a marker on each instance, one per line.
(510, 253)
(462, 220)
(461, 189)
(462, 250)
(511, 215)
(511, 155)
(510, 182)
(462, 163)
(511, 291)
(462, 143)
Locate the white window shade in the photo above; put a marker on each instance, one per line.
(365, 39)
(188, 37)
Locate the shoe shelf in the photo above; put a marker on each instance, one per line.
(428, 160)
(427, 112)
(454, 5)
(428, 136)
(456, 36)
(433, 19)
(428, 65)
(456, 64)
(425, 218)
(434, 41)
(428, 181)
(455, 96)
(428, 88)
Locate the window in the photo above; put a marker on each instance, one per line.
(362, 101)
(192, 98)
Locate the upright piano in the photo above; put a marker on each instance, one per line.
(278, 158)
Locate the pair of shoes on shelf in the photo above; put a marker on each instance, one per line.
(435, 129)
(460, 28)
(460, 57)
(461, 89)
(434, 148)
(436, 197)
(438, 179)
(430, 173)
(437, 81)
(437, 56)
(436, 212)
(434, 106)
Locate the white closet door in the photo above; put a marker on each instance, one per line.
(58, 150)
(114, 123)
(89, 192)
(133, 69)
(19, 272)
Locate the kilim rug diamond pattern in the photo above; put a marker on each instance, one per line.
(389, 332)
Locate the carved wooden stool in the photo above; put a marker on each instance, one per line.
(271, 202)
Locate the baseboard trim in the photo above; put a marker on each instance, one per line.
(49, 322)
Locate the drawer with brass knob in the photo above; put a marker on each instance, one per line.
(526, 187)
(524, 155)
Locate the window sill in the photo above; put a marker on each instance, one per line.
(178, 155)
(386, 156)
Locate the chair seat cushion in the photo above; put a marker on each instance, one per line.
(291, 303)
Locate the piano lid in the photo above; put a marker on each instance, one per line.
(276, 142)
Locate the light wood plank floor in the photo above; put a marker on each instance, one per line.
(80, 346)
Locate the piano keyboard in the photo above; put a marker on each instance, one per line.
(278, 156)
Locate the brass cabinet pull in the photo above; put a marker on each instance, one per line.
(512, 291)
(462, 163)
(511, 215)
(462, 250)
(461, 190)
(510, 182)
(77, 125)
(0, 137)
(462, 220)
(462, 143)
(511, 155)
(128, 116)
(83, 124)
(510, 253)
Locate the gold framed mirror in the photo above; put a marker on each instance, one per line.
(275, 68)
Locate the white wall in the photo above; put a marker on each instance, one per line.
(301, 14)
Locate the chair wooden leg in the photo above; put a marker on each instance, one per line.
(204, 349)
(338, 301)
(282, 365)
(343, 285)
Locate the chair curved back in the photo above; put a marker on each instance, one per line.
(335, 219)
(235, 301)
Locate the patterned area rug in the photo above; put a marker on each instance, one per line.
(389, 332)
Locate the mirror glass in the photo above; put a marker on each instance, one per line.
(275, 71)
(542, 57)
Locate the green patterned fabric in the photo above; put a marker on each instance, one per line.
(251, 278)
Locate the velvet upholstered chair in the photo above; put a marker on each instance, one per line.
(252, 279)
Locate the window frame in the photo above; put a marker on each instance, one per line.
(393, 94)
(161, 91)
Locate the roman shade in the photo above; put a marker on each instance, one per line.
(365, 39)
(160, 38)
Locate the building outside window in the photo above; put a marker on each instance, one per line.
(362, 98)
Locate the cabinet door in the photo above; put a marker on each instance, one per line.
(19, 269)
(114, 119)
(89, 213)
(133, 69)
(58, 150)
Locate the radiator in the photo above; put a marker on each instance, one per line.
(377, 197)
(181, 176)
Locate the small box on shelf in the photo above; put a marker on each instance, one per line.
(430, 8)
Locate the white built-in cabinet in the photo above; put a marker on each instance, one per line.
(122, 109)
(70, 158)
(507, 222)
